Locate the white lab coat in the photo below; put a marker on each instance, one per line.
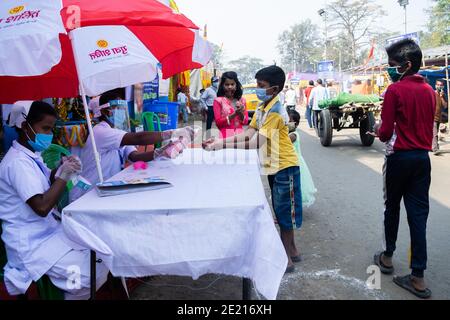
(34, 244)
(112, 155)
(291, 98)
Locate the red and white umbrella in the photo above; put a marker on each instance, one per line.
(114, 44)
(34, 42)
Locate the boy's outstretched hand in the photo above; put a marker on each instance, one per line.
(376, 129)
(212, 144)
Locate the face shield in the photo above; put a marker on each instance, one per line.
(118, 115)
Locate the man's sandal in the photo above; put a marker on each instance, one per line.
(406, 283)
(383, 268)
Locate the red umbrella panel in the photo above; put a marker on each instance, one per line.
(119, 12)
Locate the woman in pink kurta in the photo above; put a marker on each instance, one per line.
(230, 111)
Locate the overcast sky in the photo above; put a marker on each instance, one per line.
(251, 27)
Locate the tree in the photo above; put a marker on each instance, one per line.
(246, 68)
(354, 21)
(217, 56)
(438, 25)
(300, 46)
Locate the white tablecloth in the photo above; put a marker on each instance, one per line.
(215, 219)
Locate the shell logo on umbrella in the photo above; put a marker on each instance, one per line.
(16, 10)
(102, 43)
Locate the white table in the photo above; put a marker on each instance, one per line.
(215, 219)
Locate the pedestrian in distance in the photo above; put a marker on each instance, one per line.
(308, 113)
(441, 105)
(182, 102)
(208, 97)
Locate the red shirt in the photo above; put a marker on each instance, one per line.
(308, 93)
(408, 115)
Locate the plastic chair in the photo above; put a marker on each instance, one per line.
(52, 156)
(149, 119)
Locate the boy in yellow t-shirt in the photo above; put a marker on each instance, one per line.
(269, 133)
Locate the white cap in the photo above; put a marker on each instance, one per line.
(94, 106)
(19, 110)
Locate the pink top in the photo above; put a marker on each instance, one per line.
(223, 107)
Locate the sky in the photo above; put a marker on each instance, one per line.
(252, 27)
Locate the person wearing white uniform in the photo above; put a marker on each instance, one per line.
(116, 145)
(318, 94)
(35, 242)
(290, 99)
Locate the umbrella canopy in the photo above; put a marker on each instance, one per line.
(37, 25)
(130, 12)
(168, 37)
(114, 44)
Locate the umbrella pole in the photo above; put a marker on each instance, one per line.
(91, 133)
(86, 111)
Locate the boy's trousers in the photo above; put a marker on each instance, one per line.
(407, 175)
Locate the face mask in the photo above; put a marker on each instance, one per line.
(394, 74)
(262, 95)
(215, 84)
(42, 141)
(439, 89)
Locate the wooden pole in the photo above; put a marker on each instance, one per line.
(448, 86)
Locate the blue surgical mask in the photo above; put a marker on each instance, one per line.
(262, 95)
(41, 141)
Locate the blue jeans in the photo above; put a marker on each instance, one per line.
(287, 198)
(183, 109)
(308, 116)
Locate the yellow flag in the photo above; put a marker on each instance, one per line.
(174, 6)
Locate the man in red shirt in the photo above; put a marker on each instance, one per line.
(407, 129)
(308, 108)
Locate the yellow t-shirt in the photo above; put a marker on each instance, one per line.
(279, 152)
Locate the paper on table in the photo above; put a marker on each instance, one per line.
(131, 181)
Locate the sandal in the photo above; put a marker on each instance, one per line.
(296, 258)
(406, 283)
(383, 268)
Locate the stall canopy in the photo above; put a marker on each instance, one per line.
(37, 56)
(95, 46)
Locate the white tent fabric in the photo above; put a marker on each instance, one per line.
(202, 51)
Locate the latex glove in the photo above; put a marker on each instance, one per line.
(169, 151)
(69, 169)
(190, 133)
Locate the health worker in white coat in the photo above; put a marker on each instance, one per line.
(116, 145)
(32, 232)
